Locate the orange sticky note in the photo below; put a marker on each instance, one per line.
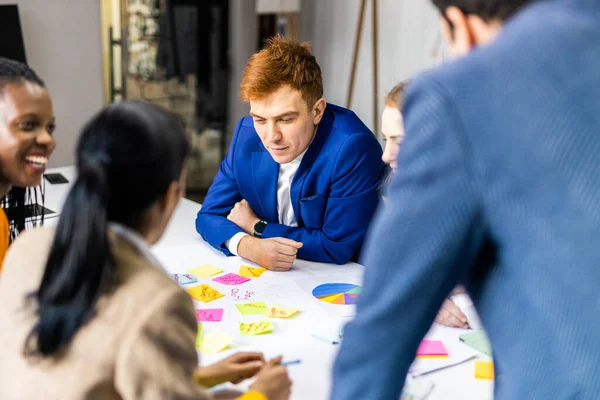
(256, 328)
(484, 369)
(204, 293)
(251, 272)
(281, 312)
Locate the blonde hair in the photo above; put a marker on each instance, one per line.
(395, 97)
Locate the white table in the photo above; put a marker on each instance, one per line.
(182, 248)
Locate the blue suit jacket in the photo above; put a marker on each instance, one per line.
(498, 187)
(334, 192)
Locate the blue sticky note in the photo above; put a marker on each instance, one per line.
(184, 279)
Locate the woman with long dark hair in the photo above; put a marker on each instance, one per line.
(26, 127)
(87, 312)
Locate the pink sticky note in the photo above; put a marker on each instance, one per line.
(432, 348)
(210, 315)
(231, 279)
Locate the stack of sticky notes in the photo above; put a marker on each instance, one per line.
(484, 369)
(432, 349)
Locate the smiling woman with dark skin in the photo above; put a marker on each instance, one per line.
(27, 123)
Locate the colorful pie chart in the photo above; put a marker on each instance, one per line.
(337, 293)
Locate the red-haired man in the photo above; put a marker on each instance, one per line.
(301, 176)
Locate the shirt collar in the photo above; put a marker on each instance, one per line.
(296, 161)
(135, 240)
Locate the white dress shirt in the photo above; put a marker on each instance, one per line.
(285, 211)
(137, 241)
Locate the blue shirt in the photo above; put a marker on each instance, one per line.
(499, 188)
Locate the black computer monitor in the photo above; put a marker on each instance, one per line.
(11, 35)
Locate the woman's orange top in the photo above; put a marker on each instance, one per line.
(4, 236)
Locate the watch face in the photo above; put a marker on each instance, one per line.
(259, 227)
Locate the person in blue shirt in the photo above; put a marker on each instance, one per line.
(301, 176)
(501, 169)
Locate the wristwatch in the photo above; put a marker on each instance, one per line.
(259, 228)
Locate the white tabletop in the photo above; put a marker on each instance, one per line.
(182, 248)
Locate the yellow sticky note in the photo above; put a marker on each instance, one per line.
(281, 312)
(251, 272)
(258, 308)
(484, 369)
(256, 328)
(204, 293)
(205, 271)
(199, 337)
(215, 342)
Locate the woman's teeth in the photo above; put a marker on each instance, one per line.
(37, 160)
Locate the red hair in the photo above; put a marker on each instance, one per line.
(282, 62)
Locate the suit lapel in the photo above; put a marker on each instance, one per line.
(265, 172)
(311, 154)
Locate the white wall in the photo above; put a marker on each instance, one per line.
(63, 45)
(408, 33)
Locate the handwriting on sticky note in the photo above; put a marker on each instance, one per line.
(258, 308)
(281, 312)
(204, 293)
(215, 341)
(231, 279)
(183, 279)
(205, 271)
(484, 370)
(210, 315)
(251, 272)
(199, 337)
(256, 328)
(238, 294)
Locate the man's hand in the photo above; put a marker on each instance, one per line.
(234, 369)
(450, 315)
(276, 254)
(242, 215)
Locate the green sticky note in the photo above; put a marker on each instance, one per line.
(199, 337)
(256, 328)
(477, 340)
(258, 308)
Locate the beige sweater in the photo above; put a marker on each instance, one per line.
(140, 344)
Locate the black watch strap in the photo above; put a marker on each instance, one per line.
(259, 228)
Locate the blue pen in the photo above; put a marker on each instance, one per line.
(285, 364)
